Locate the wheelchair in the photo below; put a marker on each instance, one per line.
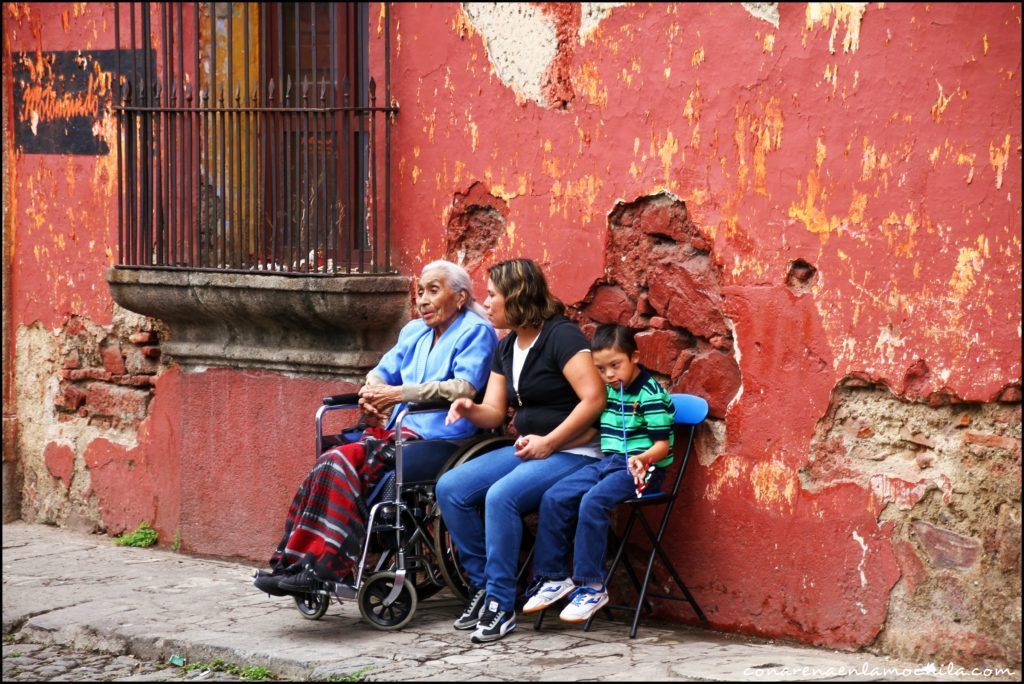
(408, 554)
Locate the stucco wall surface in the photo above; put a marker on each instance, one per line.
(808, 209)
(811, 212)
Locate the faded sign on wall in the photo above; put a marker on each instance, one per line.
(63, 99)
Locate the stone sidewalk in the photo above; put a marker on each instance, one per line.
(83, 592)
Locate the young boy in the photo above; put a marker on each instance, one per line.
(636, 433)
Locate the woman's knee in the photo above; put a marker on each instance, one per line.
(446, 489)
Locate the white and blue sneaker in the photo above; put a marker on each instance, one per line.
(548, 593)
(494, 623)
(583, 603)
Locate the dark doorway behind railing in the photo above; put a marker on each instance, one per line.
(251, 138)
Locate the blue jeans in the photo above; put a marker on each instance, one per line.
(508, 487)
(589, 495)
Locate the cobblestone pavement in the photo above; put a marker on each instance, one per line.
(29, 662)
(77, 607)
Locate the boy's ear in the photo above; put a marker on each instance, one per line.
(635, 356)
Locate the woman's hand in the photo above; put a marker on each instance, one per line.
(533, 447)
(460, 408)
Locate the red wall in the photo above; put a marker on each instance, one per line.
(892, 167)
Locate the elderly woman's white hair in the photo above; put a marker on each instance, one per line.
(458, 280)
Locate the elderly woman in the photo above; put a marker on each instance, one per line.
(444, 354)
(544, 369)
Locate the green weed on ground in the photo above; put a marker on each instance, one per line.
(356, 676)
(143, 536)
(250, 673)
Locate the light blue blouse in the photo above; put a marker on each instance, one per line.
(463, 351)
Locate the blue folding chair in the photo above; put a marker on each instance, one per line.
(690, 411)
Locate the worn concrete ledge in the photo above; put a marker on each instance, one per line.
(336, 326)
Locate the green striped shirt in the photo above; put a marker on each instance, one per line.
(636, 417)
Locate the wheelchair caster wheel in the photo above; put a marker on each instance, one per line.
(312, 606)
(371, 599)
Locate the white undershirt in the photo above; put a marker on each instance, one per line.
(591, 449)
(519, 359)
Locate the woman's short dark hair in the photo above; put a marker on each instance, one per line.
(615, 337)
(528, 301)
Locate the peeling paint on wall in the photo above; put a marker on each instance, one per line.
(521, 43)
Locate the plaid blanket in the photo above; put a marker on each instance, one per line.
(326, 525)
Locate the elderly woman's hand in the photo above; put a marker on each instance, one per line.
(378, 400)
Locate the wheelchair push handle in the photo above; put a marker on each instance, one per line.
(350, 399)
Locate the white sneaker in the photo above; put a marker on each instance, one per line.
(548, 593)
(584, 602)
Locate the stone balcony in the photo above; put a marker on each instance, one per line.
(332, 326)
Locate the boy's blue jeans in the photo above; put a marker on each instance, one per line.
(509, 487)
(588, 495)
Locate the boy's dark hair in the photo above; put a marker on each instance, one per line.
(612, 336)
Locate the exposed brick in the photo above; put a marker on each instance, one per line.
(137, 363)
(113, 362)
(658, 323)
(721, 342)
(660, 349)
(86, 374)
(133, 380)
(665, 218)
(70, 398)
(946, 548)
(1010, 394)
(713, 376)
(142, 338)
(997, 441)
(610, 305)
(115, 401)
(60, 461)
(72, 360)
(151, 352)
(911, 565)
(643, 305)
(907, 435)
(687, 295)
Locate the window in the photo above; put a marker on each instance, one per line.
(253, 138)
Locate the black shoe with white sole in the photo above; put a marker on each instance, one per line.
(494, 623)
(471, 616)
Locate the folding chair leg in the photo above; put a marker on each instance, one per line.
(636, 581)
(643, 592)
(539, 620)
(679, 582)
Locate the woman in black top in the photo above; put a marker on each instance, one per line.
(558, 395)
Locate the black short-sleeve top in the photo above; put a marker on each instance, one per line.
(545, 397)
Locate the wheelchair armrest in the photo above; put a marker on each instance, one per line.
(424, 406)
(350, 399)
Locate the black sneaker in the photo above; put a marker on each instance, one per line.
(471, 616)
(304, 582)
(494, 623)
(265, 581)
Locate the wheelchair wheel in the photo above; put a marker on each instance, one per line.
(313, 606)
(445, 553)
(375, 589)
(420, 552)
